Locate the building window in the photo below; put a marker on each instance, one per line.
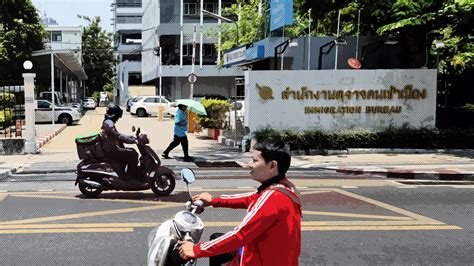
(129, 3)
(56, 36)
(185, 50)
(208, 49)
(190, 9)
(210, 7)
(129, 19)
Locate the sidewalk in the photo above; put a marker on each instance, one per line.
(61, 156)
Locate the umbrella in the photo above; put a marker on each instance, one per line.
(193, 106)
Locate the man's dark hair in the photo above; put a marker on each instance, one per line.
(274, 150)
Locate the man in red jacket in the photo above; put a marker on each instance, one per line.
(270, 233)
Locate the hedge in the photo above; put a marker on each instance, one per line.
(389, 138)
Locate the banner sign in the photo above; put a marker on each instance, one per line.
(235, 56)
(281, 13)
(340, 99)
(255, 52)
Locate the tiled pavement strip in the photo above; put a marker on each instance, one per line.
(56, 143)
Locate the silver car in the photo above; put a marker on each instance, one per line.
(89, 103)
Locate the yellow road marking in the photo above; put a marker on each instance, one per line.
(3, 196)
(75, 230)
(379, 228)
(388, 207)
(356, 215)
(407, 220)
(88, 214)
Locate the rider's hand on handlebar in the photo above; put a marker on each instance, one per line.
(186, 250)
(205, 197)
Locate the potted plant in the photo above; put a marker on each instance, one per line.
(216, 116)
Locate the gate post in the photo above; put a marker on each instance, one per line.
(30, 131)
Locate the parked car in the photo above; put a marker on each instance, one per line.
(131, 101)
(148, 106)
(89, 103)
(63, 115)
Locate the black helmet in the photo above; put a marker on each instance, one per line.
(114, 111)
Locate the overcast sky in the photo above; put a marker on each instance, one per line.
(65, 11)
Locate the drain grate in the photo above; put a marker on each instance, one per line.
(436, 182)
(218, 164)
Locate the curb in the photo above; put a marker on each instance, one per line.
(40, 142)
(441, 174)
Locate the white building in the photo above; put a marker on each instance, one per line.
(65, 44)
(127, 42)
(169, 24)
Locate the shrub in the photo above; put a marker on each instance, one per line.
(216, 113)
(389, 138)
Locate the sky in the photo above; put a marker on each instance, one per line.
(65, 11)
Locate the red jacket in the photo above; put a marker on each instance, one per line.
(270, 233)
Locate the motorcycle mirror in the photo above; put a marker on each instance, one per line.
(187, 175)
(133, 128)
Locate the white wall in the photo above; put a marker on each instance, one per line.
(280, 113)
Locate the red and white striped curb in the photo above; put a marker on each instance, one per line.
(444, 173)
(40, 141)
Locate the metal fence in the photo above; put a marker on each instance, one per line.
(12, 108)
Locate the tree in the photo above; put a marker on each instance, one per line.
(97, 55)
(20, 34)
(411, 20)
(252, 25)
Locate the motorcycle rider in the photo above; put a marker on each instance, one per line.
(273, 214)
(113, 142)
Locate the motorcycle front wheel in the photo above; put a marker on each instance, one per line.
(163, 185)
(89, 191)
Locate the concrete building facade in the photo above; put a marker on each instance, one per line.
(172, 27)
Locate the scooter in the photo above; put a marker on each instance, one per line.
(95, 175)
(163, 241)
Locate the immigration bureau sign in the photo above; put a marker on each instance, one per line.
(340, 99)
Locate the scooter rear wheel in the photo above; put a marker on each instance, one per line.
(88, 191)
(163, 185)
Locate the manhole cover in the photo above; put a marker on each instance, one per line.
(218, 164)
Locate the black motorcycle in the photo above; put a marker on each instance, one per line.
(95, 173)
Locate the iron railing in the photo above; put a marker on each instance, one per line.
(12, 108)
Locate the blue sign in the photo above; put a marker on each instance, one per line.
(255, 52)
(281, 13)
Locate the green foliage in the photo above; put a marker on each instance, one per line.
(251, 24)
(410, 19)
(108, 87)
(216, 113)
(21, 33)
(388, 138)
(6, 115)
(468, 107)
(7, 99)
(97, 55)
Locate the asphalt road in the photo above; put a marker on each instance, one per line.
(48, 222)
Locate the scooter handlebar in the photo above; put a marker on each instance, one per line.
(196, 206)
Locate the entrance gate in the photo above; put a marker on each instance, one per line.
(12, 108)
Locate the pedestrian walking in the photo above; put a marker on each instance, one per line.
(180, 126)
(273, 215)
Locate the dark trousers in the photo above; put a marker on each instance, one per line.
(176, 141)
(126, 156)
(218, 260)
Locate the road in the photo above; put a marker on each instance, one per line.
(349, 222)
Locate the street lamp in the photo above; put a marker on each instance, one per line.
(27, 65)
(290, 42)
(210, 14)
